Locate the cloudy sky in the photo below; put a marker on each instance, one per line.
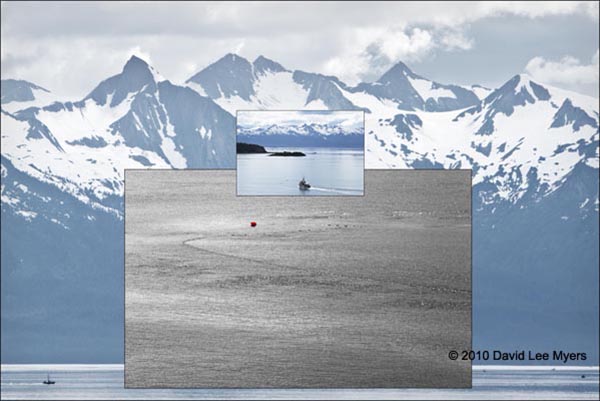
(70, 47)
(350, 120)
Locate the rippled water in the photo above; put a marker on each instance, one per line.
(366, 291)
(97, 382)
(329, 171)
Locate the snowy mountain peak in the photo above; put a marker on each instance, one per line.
(136, 76)
(139, 70)
(135, 63)
(414, 92)
(518, 90)
(398, 71)
(229, 62)
(481, 91)
(262, 65)
(14, 90)
(324, 89)
(229, 76)
(20, 95)
(232, 57)
(303, 135)
(568, 114)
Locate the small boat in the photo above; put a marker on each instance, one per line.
(48, 381)
(303, 185)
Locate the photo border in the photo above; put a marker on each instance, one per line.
(362, 389)
(364, 192)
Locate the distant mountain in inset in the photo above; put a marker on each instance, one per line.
(304, 135)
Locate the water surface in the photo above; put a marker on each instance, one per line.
(355, 291)
(105, 382)
(330, 171)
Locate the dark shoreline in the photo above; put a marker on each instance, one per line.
(287, 154)
(246, 148)
(251, 148)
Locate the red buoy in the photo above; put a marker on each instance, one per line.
(253, 224)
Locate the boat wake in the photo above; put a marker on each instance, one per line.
(196, 242)
(341, 191)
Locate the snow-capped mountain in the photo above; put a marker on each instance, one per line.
(236, 84)
(19, 94)
(62, 203)
(520, 128)
(14, 90)
(480, 91)
(413, 122)
(303, 135)
(413, 92)
(135, 119)
(533, 150)
(302, 129)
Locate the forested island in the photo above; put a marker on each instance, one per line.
(285, 153)
(250, 148)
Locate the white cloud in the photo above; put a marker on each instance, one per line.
(250, 18)
(348, 68)
(444, 27)
(70, 47)
(566, 71)
(72, 71)
(400, 44)
(238, 48)
(455, 39)
(374, 51)
(71, 68)
(137, 51)
(536, 9)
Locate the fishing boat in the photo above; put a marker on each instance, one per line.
(303, 185)
(48, 381)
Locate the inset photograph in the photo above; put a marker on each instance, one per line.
(300, 153)
(225, 291)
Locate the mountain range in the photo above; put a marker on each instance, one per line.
(532, 149)
(303, 135)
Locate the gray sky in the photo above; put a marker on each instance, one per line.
(69, 48)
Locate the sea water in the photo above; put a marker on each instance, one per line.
(331, 292)
(329, 171)
(106, 382)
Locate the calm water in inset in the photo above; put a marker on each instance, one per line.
(329, 171)
(105, 382)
